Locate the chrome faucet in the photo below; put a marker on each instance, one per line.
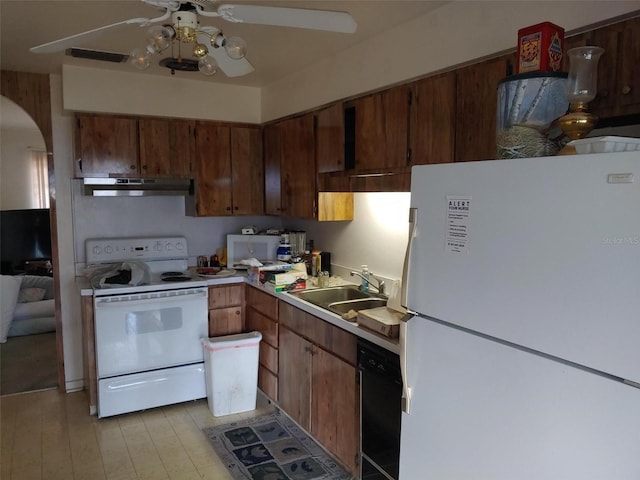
(379, 288)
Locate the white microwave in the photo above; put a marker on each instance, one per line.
(261, 247)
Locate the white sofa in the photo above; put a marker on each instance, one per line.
(28, 305)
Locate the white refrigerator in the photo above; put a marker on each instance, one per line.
(523, 358)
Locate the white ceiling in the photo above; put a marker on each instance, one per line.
(273, 51)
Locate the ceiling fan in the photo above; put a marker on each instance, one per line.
(179, 24)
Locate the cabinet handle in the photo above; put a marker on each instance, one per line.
(132, 167)
(144, 167)
(228, 209)
(626, 90)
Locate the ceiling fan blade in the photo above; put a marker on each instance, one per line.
(289, 17)
(230, 66)
(78, 38)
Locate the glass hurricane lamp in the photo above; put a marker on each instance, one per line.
(582, 87)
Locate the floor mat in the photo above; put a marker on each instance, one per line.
(272, 447)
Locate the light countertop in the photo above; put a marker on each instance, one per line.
(390, 344)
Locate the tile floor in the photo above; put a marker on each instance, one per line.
(48, 435)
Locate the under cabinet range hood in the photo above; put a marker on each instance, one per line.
(137, 187)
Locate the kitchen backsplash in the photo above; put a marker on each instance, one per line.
(376, 237)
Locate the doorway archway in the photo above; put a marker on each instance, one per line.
(31, 91)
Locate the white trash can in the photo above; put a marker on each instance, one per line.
(231, 371)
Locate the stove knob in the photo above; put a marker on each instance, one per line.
(169, 246)
(97, 250)
(158, 247)
(108, 249)
(179, 246)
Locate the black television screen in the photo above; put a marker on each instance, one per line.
(24, 235)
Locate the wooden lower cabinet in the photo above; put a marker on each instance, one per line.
(262, 316)
(318, 387)
(225, 310)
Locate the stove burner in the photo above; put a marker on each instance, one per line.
(176, 278)
(171, 274)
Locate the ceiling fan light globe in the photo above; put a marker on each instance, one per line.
(208, 65)
(200, 50)
(235, 47)
(140, 58)
(159, 37)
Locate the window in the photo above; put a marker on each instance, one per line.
(39, 179)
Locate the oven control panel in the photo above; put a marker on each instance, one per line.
(138, 248)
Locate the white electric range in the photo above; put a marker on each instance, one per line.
(150, 316)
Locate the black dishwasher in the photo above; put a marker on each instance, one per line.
(381, 411)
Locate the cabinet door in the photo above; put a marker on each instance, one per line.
(155, 154)
(225, 321)
(334, 407)
(618, 69)
(256, 321)
(263, 302)
(226, 296)
(330, 139)
(213, 170)
(381, 129)
(182, 145)
(294, 377)
(106, 145)
(433, 120)
(298, 169)
(248, 171)
(272, 171)
(476, 106)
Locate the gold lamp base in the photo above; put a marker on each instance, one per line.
(576, 125)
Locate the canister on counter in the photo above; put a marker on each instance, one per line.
(540, 48)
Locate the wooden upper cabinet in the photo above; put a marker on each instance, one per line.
(381, 129)
(433, 120)
(330, 138)
(105, 145)
(272, 183)
(247, 171)
(618, 68)
(298, 168)
(229, 170)
(476, 106)
(213, 170)
(167, 147)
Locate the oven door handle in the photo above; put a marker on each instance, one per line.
(135, 300)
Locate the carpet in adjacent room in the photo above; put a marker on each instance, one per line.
(28, 363)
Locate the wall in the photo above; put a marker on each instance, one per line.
(377, 236)
(456, 33)
(153, 216)
(69, 298)
(16, 188)
(135, 93)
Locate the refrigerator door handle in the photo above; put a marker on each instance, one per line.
(413, 221)
(406, 390)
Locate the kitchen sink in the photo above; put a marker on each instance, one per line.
(322, 297)
(360, 304)
(342, 299)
